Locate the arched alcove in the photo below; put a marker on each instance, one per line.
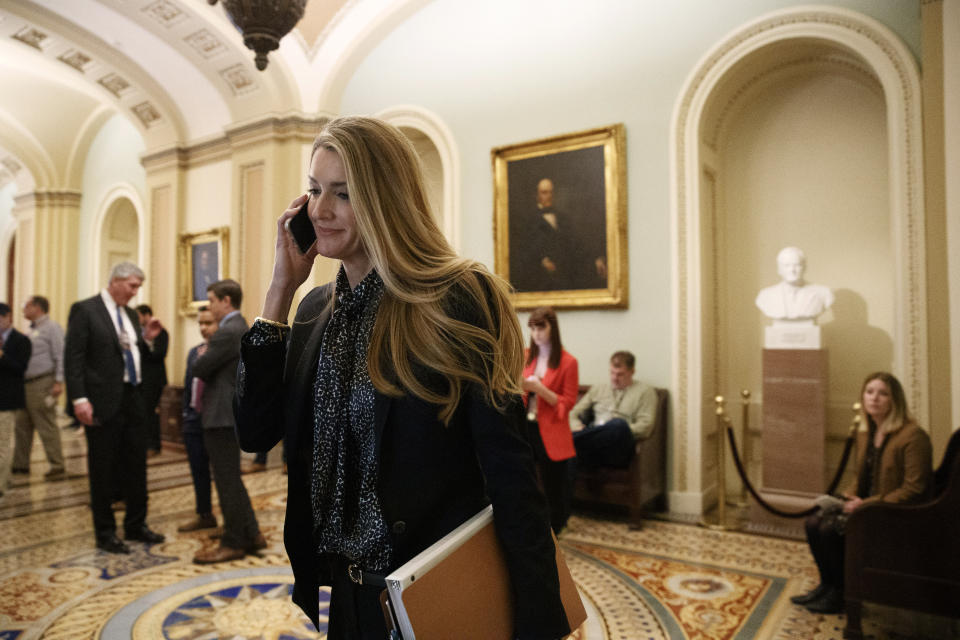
(794, 154)
(119, 237)
(435, 144)
(432, 169)
(119, 232)
(767, 97)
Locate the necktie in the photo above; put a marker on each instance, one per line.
(196, 395)
(125, 345)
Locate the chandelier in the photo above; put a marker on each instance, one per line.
(263, 22)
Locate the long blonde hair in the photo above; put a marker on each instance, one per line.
(478, 341)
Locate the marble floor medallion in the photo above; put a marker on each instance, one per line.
(241, 605)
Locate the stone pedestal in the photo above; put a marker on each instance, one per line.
(793, 423)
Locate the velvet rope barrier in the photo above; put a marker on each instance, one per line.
(756, 496)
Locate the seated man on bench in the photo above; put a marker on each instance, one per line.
(610, 417)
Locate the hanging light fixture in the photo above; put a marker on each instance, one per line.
(263, 22)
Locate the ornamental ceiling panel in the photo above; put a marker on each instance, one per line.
(178, 69)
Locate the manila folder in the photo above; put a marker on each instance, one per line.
(459, 588)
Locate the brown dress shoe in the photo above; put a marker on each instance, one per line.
(204, 521)
(258, 543)
(55, 474)
(220, 554)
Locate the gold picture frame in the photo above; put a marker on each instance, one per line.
(202, 259)
(560, 219)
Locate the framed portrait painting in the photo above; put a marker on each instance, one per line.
(560, 219)
(202, 260)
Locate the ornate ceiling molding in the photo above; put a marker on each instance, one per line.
(109, 76)
(269, 128)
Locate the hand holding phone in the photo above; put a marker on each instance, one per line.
(301, 228)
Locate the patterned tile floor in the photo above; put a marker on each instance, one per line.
(668, 580)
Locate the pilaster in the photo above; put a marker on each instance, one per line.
(934, 187)
(48, 224)
(164, 213)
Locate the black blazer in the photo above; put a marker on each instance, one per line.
(218, 370)
(190, 415)
(154, 369)
(92, 357)
(431, 478)
(13, 363)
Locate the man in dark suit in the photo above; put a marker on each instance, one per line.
(217, 367)
(102, 360)
(14, 355)
(154, 378)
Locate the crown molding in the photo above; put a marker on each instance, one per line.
(270, 128)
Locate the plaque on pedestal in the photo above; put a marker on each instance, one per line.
(791, 335)
(793, 420)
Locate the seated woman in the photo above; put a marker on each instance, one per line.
(396, 390)
(551, 381)
(894, 464)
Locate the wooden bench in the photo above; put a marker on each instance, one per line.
(639, 486)
(907, 556)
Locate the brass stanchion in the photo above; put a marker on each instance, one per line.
(747, 444)
(722, 423)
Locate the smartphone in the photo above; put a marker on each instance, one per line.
(301, 228)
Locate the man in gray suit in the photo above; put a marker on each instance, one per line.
(217, 368)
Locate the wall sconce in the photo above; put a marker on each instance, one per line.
(263, 22)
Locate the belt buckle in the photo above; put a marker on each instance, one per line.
(355, 573)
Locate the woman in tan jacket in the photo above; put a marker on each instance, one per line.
(894, 464)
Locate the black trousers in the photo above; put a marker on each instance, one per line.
(117, 461)
(355, 611)
(199, 465)
(607, 445)
(240, 525)
(151, 392)
(555, 479)
(826, 545)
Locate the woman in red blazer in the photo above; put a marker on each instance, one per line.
(551, 382)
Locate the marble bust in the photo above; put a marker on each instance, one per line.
(793, 299)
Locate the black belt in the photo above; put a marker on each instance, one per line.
(359, 576)
(42, 375)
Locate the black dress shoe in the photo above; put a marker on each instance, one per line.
(144, 534)
(809, 596)
(830, 602)
(112, 544)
